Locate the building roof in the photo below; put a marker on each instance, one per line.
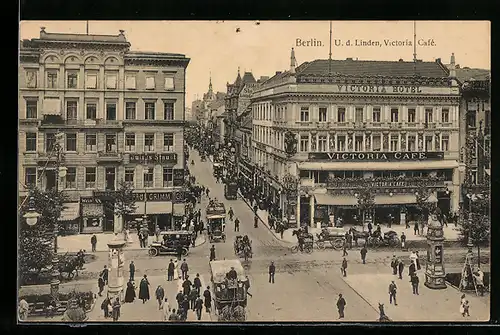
(153, 55)
(216, 104)
(119, 39)
(248, 78)
(352, 67)
(467, 74)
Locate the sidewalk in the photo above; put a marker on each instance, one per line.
(429, 305)
(74, 243)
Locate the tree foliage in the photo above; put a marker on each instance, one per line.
(124, 199)
(479, 223)
(366, 199)
(35, 242)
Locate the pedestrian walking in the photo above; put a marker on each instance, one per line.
(131, 268)
(392, 293)
(414, 283)
(412, 269)
(144, 289)
(157, 233)
(341, 306)
(170, 271)
(370, 227)
(197, 283)
(415, 228)
(106, 307)
(344, 249)
(394, 265)
(465, 308)
(344, 267)
(212, 253)
(165, 310)
(417, 260)
(272, 270)
(179, 298)
(23, 310)
(255, 221)
(230, 213)
(93, 242)
(179, 249)
(237, 225)
(185, 308)
(105, 274)
(403, 241)
(186, 286)
(363, 252)
(208, 193)
(116, 309)
(246, 284)
(160, 295)
(349, 240)
(282, 229)
(401, 266)
(208, 299)
(130, 292)
(198, 306)
(100, 284)
(184, 269)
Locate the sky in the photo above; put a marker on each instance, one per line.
(263, 47)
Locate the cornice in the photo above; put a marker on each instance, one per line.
(374, 80)
(156, 62)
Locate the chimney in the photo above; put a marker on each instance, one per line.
(350, 58)
(453, 73)
(292, 62)
(122, 32)
(42, 30)
(401, 60)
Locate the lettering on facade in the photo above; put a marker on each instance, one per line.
(160, 196)
(365, 88)
(154, 158)
(376, 156)
(90, 200)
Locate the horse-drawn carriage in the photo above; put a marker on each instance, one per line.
(377, 238)
(230, 296)
(334, 236)
(243, 247)
(216, 217)
(308, 241)
(231, 190)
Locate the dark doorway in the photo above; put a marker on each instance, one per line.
(51, 179)
(110, 178)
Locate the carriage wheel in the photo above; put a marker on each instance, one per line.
(337, 244)
(308, 249)
(185, 251)
(394, 242)
(294, 249)
(153, 252)
(320, 245)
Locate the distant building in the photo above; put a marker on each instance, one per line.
(122, 117)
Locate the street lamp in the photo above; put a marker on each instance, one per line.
(31, 215)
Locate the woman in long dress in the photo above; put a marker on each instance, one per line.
(130, 292)
(144, 289)
(462, 302)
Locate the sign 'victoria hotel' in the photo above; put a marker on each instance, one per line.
(358, 123)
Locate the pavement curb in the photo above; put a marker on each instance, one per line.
(363, 298)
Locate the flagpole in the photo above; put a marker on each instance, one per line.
(415, 47)
(330, 56)
(87, 23)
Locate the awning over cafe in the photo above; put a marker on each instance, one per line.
(336, 200)
(70, 212)
(154, 207)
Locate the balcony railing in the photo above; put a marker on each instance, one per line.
(378, 183)
(109, 156)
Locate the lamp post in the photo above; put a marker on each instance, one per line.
(145, 215)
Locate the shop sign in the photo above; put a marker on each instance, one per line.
(90, 200)
(376, 156)
(178, 177)
(153, 158)
(177, 197)
(438, 253)
(105, 195)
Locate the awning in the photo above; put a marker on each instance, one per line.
(70, 212)
(336, 200)
(154, 207)
(92, 210)
(179, 209)
(400, 199)
(423, 165)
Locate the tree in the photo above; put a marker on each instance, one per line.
(124, 199)
(424, 206)
(366, 202)
(36, 242)
(476, 222)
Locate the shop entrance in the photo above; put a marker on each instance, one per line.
(164, 221)
(305, 211)
(386, 215)
(349, 216)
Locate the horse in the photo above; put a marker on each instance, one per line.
(358, 234)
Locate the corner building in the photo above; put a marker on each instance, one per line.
(393, 124)
(122, 116)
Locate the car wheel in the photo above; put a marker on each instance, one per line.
(337, 244)
(185, 252)
(153, 252)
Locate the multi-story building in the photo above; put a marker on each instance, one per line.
(121, 114)
(391, 125)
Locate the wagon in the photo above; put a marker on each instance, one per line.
(334, 236)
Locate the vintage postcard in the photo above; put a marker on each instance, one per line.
(265, 171)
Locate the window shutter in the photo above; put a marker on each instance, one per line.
(150, 83)
(169, 83)
(111, 81)
(51, 107)
(91, 81)
(130, 82)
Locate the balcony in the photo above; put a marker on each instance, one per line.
(57, 122)
(394, 125)
(109, 157)
(382, 183)
(359, 125)
(429, 125)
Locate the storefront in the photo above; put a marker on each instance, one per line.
(92, 215)
(69, 218)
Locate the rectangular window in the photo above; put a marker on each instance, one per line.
(322, 114)
(130, 82)
(169, 83)
(110, 142)
(394, 143)
(304, 114)
(412, 142)
(129, 175)
(52, 79)
(72, 80)
(130, 110)
(50, 141)
(411, 115)
(30, 176)
(341, 115)
(428, 143)
(110, 173)
(428, 115)
(90, 177)
(359, 114)
(149, 142)
(168, 177)
(445, 115)
(445, 143)
(31, 109)
(168, 111)
(394, 115)
(304, 143)
(130, 142)
(71, 110)
(31, 142)
(377, 144)
(91, 111)
(150, 111)
(487, 122)
(148, 177)
(376, 114)
(31, 79)
(341, 143)
(91, 81)
(71, 177)
(70, 142)
(111, 81)
(471, 119)
(91, 142)
(322, 143)
(168, 142)
(150, 83)
(358, 143)
(111, 111)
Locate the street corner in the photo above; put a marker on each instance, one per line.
(200, 240)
